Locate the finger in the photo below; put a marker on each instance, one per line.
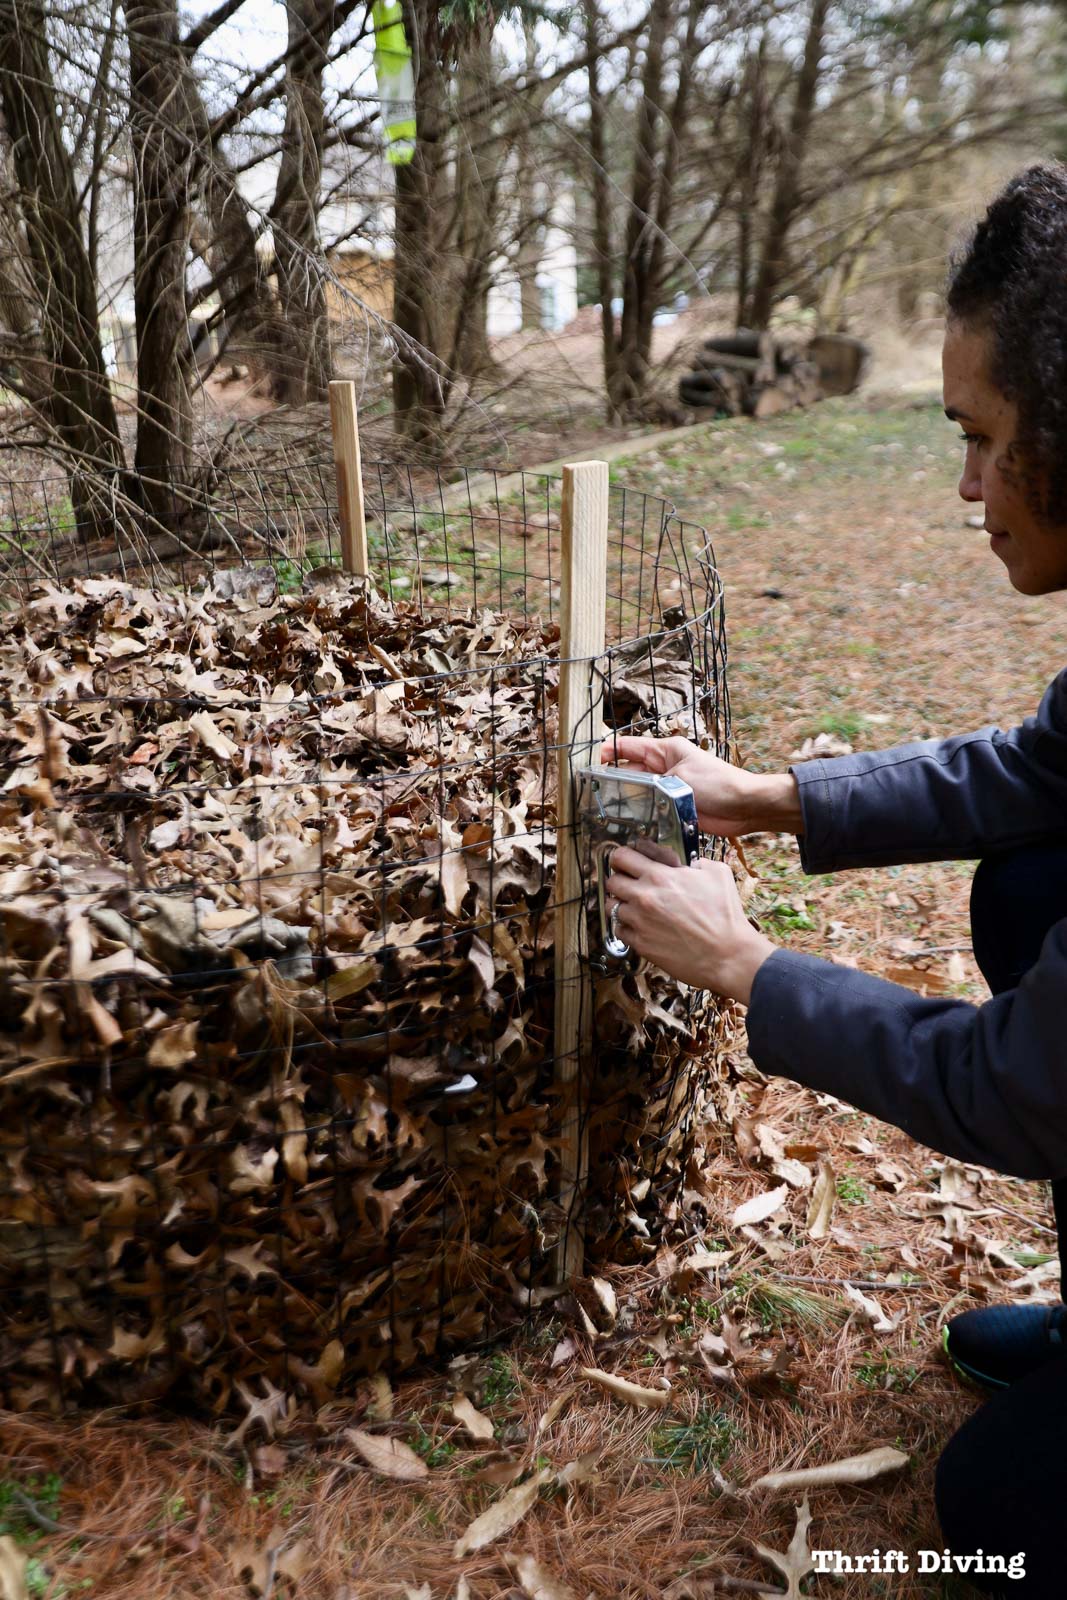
(634, 751)
(630, 863)
(621, 889)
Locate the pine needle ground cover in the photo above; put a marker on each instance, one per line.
(891, 621)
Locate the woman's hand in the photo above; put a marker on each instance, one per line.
(687, 920)
(730, 801)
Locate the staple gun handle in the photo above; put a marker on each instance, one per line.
(614, 947)
(653, 814)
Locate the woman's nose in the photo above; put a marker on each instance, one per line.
(970, 485)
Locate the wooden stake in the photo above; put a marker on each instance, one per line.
(345, 425)
(583, 603)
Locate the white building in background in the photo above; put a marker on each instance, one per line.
(357, 235)
(557, 279)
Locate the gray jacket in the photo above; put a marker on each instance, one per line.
(983, 1083)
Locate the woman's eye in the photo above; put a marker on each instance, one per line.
(971, 438)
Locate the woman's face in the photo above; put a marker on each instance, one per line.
(1033, 550)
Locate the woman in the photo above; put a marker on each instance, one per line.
(987, 1083)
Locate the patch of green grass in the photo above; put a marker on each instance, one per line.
(785, 918)
(15, 1520)
(695, 1446)
(425, 1445)
(851, 1191)
(879, 1371)
(739, 517)
(841, 724)
(500, 1384)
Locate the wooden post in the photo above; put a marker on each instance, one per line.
(345, 425)
(583, 603)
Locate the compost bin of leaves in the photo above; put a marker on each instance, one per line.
(279, 1105)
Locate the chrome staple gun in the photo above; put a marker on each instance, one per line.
(655, 815)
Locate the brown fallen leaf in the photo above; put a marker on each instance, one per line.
(821, 1204)
(212, 736)
(796, 1562)
(760, 1207)
(503, 1515)
(632, 1393)
(13, 1564)
(260, 1566)
(476, 1423)
(549, 1416)
(535, 1582)
(872, 1311)
(582, 1470)
(392, 1458)
(380, 1408)
(706, 1260)
(463, 1590)
(852, 1469)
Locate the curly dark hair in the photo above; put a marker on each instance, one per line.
(1012, 278)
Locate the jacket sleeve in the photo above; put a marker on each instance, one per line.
(981, 1083)
(939, 800)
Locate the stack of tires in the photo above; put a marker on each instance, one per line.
(759, 374)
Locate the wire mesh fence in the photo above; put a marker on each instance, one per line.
(279, 1098)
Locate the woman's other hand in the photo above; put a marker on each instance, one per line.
(729, 801)
(687, 920)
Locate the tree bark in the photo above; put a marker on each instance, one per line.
(77, 408)
(418, 390)
(162, 158)
(478, 164)
(531, 217)
(298, 254)
(754, 124)
(602, 229)
(785, 201)
(638, 305)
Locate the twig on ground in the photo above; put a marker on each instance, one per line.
(32, 1510)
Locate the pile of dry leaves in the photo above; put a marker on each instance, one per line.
(277, 1098)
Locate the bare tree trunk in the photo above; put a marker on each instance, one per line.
(531, 218)
(755, 135)
(419, 394)
(602, 229)
(298, 254)
(77, 409)
(162, 156)
(478, 162)
(787, 191)
(677, 123)
(638, 290)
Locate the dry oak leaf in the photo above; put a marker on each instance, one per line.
(873, 1312)
(260, 1566)
(380, 1408)
(548, 1417)
(392, 1458)
(821, 1204)
(632, 1393)
(13, 1565)
(212, 736)
(476, 1423)
(503, 1515)
(796, 1562)
(535, 1582)
(760, 1207)
(852, 1469)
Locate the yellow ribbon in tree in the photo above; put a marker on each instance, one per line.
(396, 81)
